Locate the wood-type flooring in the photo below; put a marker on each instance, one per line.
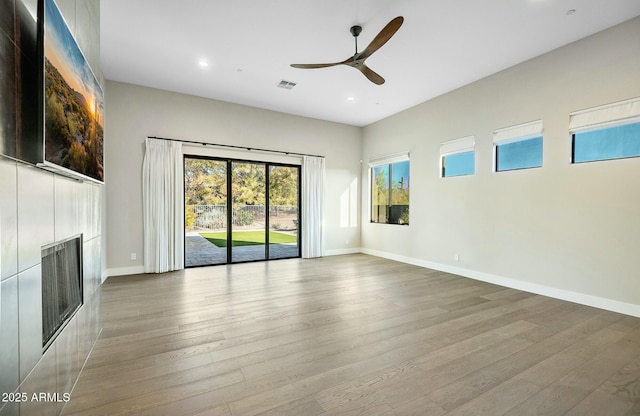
(351, 335)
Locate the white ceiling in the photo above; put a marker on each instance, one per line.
(249, 45)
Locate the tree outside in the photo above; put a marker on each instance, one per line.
(390, 193)
(206, 194)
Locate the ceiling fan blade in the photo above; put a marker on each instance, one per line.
(357, 60)
(313, 66)
(371, 74)
(385, 34)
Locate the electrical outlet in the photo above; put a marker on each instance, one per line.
(134, 256)
(456, 257)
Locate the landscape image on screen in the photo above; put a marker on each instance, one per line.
(73, 101)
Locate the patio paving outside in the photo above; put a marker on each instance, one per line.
(200, 252)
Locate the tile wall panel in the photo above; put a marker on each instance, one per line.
(10, 409)
(89, 325)
(80, 220)
(91, 267)
(95, 323)
(67, 203)
(67, 362)
(8, 219)
(85, 342)
(83, 220)
(30, 322)
(35, 214)
(79, 356)
(95, 209)
(9, 371)
(43, 379)
(83, 212)
(88, 212)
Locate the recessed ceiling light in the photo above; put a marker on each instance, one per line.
(351, 98)
(203, 63)
(570, 12)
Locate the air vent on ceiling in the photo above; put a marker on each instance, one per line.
(286, 84)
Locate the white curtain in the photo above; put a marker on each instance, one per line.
(163, 206)
(312, 206)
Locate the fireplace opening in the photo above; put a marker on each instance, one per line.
(61, 285)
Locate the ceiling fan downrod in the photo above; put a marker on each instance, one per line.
(355, 31)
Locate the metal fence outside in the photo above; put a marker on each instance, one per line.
(214, 217)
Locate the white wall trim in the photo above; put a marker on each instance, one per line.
(342, 251)
(125, 271)
(581, 298)
(122, 271)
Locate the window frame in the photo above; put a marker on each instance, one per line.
(600, 118)
(602, 159)
(387, 161)
(454, 147)
(514, 134)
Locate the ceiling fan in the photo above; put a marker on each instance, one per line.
(357, 60)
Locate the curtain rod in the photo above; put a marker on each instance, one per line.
(234, 147)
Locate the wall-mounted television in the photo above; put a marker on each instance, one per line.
(72, 102)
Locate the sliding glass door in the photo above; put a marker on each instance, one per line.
(248, 225)
(206, 225)
(284, 212)
(239, 211)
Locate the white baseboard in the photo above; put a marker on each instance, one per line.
(341, 251)
(125, 271)
(122, 271)
(581, 298)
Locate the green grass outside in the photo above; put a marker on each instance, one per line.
(248, 238)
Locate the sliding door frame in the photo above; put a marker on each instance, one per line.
(229, 203)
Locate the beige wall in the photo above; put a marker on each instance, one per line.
(567, 230)
(135, 112)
